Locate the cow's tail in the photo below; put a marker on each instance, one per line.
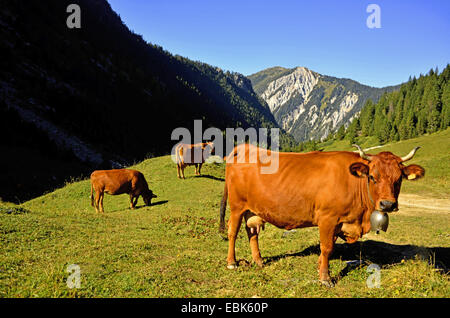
(92, 195)
(223, 207)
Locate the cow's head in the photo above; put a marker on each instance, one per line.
(148, 196)
(208, 148)
(384, 173)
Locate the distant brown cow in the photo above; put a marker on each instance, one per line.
(119, 181)
(336, 191)
(187, 155)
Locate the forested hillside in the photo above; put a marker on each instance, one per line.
(100, 95)
(422, 105)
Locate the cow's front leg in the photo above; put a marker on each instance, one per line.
(178, 171)
(132, 201)
(327, 239)
(199, 168)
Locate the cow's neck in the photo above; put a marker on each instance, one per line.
(368, 204)
(372, 203)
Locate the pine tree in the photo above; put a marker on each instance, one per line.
(340, 133)
(445, 110)
(366, 118)
(352, 130)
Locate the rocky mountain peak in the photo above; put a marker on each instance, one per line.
(301, 81)
(309, 105)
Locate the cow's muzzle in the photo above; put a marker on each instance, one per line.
(388, 206)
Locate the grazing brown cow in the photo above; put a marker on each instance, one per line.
(119, 181)
(336, 191)
(187, 155)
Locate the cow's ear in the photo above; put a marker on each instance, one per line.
(359, 169)
(413, 172)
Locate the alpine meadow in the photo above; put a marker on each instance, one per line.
(173, 249)
(103, 196)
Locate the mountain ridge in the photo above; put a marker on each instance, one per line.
(310, 105)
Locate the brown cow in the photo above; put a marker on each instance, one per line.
(336, 191)
(187, 155)
(119, 181)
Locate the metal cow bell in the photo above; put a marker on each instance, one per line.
(379, 221)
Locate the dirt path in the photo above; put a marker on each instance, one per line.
(430, 204)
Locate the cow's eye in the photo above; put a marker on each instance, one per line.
(372, 178)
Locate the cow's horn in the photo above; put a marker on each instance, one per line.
(410, 155)
(362, 154)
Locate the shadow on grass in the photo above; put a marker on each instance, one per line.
(159, 202)
(380, 253)
(210, 177)
(207, 176)
(137, 207)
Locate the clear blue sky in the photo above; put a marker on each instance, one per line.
(329, 37)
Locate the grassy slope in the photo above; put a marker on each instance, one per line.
(172, 249)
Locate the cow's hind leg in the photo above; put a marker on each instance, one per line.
(98, 195)
(234, 224)
(253, 239)
(101, 202)
(92, 195)
(327, 239)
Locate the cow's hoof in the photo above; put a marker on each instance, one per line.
(231, 266)
(259, 263)
(327, 283)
